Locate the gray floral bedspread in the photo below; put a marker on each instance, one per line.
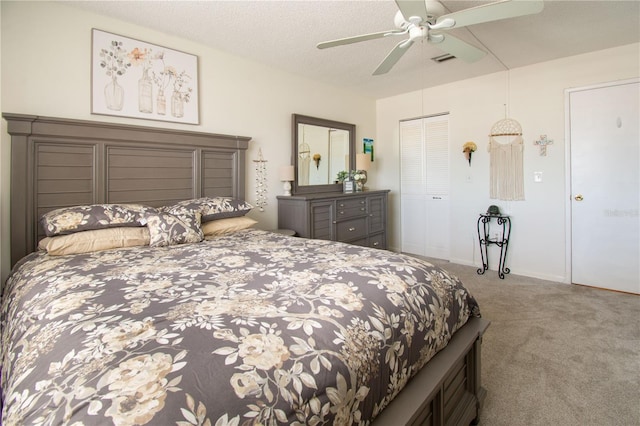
(249, 328)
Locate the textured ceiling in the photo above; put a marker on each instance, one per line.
(283, 35)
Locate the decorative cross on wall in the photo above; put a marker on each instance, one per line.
(542, 143)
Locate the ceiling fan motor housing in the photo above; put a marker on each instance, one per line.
(417, 32)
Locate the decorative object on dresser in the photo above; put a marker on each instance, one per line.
(287, 174)
(363, 161)
(341, 176)
(357, 218)
(348, 186)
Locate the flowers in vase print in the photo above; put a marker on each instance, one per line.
(114, 59)
(181, 92)
(165, 83)
(140, 57)
(161, 78)
(143, 58)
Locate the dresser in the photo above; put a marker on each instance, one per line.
(358, 218)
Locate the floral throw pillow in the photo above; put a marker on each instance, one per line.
(213, 208)
(179, 227)
(68, 220)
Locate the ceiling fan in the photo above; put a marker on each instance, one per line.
(426, 19)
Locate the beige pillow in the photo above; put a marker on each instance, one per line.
(96, 240)
(224, 226)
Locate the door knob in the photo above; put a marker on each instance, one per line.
(579, 197)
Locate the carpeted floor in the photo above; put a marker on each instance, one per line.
(556, 354)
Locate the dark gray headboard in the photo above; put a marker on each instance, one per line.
(63, 162)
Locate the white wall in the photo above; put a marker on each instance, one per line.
(46, 66)
(45, 70)
(535, 97)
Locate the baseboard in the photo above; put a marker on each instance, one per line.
(530, 274)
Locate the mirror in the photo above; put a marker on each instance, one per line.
(321, 149)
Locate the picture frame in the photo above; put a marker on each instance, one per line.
(137, 79)
(367, 146)
(348, 186)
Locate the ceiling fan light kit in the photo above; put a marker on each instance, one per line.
(419, 18)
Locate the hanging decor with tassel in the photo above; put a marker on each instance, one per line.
(261, 181)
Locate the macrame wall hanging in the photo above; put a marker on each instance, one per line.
(506, 160)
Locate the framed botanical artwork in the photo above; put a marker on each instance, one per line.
(133, 78)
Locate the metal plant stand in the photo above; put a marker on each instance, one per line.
(502, 241)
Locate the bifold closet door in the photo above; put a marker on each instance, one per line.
(424, 181)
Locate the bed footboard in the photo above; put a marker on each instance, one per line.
(448, 390)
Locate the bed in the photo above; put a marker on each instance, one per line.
(193, 322)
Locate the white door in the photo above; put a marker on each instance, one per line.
(424, 186)
(413, 187)
(605, 186)
(437, 200)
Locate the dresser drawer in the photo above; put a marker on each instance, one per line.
(349, 208)
(352, 229)
(377, 241)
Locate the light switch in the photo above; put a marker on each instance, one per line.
(537, 177)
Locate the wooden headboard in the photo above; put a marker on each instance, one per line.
(63, 162)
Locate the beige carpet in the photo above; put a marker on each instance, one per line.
(556, 354)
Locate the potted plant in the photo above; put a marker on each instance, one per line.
(342, 176)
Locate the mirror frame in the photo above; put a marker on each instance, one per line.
(304, 119)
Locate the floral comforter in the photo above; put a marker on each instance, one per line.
(252, 327)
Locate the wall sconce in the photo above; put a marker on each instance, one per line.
(469, 148)
(316, 159)
(287, 174)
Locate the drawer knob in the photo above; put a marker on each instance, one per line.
(376, 243)
(362, 202)
(341, 204)
(352, 229)
(341, 212)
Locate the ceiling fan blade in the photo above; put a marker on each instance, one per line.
(411, 8)
(357, 39)
(458, 48)
(491, 12)
(393, 57)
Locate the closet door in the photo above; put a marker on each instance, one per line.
(413, 187)
(437, 191)
(424, 186)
